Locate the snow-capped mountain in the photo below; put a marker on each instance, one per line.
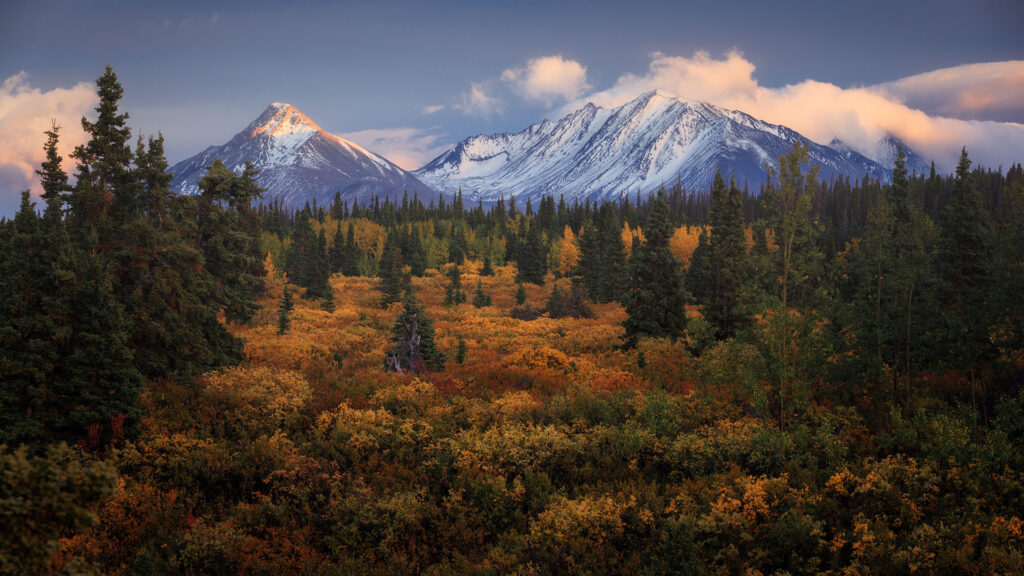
(884, 152)
(607, 152)
(299, 162)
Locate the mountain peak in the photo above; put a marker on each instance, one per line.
(281, 119)
(299, 161)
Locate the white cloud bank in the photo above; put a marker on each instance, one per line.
(548, 79)
(25, 114)
(859, 116)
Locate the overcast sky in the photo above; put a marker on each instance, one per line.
(407, 79)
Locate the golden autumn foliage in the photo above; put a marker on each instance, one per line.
(683, 242)
(569, 253)
(549, 450)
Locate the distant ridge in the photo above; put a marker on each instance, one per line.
(600, 152)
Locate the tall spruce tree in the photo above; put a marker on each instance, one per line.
(230, 244)
(728, 260)
(532, 259)
(656, 297)
(104, 168)
(700, 270)
(350, 264)
(336, 254)
(966, 268)
(885, 282)
(318, 271)
(123, 213)
(453, 294)
(391, 271)
(284, 320)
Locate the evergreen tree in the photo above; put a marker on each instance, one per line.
(966, 267)
(603, 261)
(101, 390)
(160, 278)
(229, 246)
(460, 350)
(413, 336)
(300, 251)
(337, 252)
(453, 294)
(480, 298)
(350, 264)
(1010, 267)
(104, 168)
(700, 269)
(391, 271)
(656, 300)
(520, 294)
(789, 207)
(317, 280)
(886, 281)
(457, 246)
(65, 367)
(570, 304)
(728, 260)
(532, 259)
(487, 269)
(283, 313)
(413, 253)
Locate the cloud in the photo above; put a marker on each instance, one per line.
(548, 79)
(986, 91)
(860, 116)
(478, 101)
(25, 114)
(432, 109)
(409, 148)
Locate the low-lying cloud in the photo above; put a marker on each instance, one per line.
(860, 116)
(26, 113)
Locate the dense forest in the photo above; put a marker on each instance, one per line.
(810, 378)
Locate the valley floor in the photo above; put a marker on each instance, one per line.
(548, 450)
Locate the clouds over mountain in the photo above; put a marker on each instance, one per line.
(25, 114)
(935, 113)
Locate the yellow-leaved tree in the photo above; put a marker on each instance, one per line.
(569, 253)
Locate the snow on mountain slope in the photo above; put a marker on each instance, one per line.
(604, 153)
(884, 153)
(300, 162)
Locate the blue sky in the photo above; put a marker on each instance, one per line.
(403, 75)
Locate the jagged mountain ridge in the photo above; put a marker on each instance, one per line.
(299, 162)
(607, 152)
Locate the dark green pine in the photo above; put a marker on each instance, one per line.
(426, 356)
(391, 271)
(453, 294)
(350, 263)
(728, 260)
(966, 267)
(284, 311)
(656, 297)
